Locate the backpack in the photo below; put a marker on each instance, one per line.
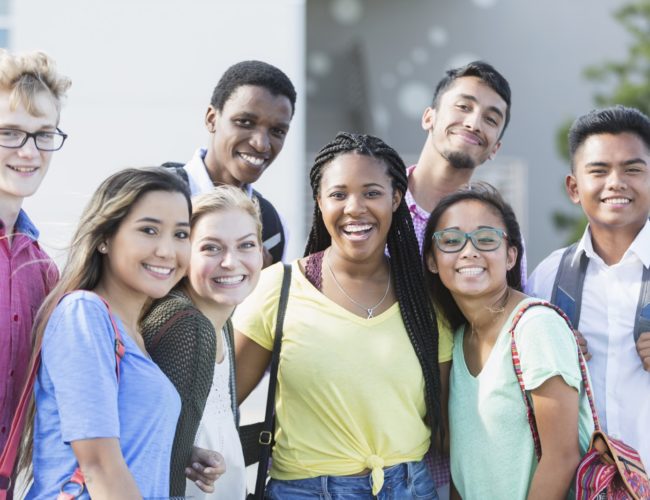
(272, 230)
(569, 282)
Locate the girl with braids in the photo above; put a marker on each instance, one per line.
(359, 393)
(131, 246)
(472, 252)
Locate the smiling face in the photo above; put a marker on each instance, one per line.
(611, 181)
(23, 169)
(471, 272)
(357, 201)
(150, 251)
(247, 134)
(226, 258)
(465, 126)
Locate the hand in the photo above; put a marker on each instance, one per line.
(206, 466)
(582, 343)
(643, 348)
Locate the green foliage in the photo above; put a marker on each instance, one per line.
(624, 82)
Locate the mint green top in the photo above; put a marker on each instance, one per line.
(492, 451)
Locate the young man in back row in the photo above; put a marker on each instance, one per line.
(31, 92)
(248, 120)
(603, 281)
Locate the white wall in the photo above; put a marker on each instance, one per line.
(142, 75)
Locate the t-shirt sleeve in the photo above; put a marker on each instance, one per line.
(445, 341)
(79, 356)
(256, 316)
(547, 348)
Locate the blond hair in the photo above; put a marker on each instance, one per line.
(226, 198)
(24, 76)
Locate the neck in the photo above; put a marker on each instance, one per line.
(127, 306)
(218, 314)
(9, 209)
(218, 175)
(612, 243)
(369, 267)
(487, 314)
(434, 178)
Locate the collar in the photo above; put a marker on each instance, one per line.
(640, 246)
(410, 201)
(200, 181)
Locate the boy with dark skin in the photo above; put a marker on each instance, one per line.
(248, 120)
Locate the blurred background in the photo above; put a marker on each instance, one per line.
(143, 72)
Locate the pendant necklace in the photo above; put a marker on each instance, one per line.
(369, 310)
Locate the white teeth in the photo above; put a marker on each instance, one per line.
(472, 271)
(356, 228)
(165, 271)
(616, 201)
(24, 169)
(229, 280)
(258, 162)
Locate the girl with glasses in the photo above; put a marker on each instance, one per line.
(472, 256)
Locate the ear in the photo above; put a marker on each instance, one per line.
(428, 118)
(431, 263)
(571, 185)
(511, 257)
(494, 151)
(397, 199)
(211, 119)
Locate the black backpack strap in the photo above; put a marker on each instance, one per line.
(266, 436)
(642, 319)
(569, 281)
(272, 230)
(178, 170)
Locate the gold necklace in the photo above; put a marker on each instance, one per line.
(369, 310)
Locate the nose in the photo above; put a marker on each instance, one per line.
(260, 141)
(355, 205)
(29, 149)
(166, 248)
(469, 250)
(472, 120)
(228, 260)
(616, 180)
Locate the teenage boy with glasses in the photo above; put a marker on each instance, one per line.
(31, 92)
(610, 179)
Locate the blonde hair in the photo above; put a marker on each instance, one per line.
(226, 198)
(24, 76)
(109, 206)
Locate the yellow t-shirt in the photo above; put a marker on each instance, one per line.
(350, 392)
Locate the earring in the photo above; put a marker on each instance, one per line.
(102, 248)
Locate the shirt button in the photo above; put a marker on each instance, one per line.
(11, 373)
(15, 317)
(3, 430)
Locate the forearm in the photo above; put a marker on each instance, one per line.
(110, 481)
(553, 477)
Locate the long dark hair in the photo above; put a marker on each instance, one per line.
(489, 196)
(415, 307)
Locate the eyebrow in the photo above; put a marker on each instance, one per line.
(19, 127)
(474, 99)
(632, 161)
(153, 220)
(369, 184)
(218, 240)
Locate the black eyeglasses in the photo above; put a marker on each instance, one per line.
(44, 141)
(486, 239)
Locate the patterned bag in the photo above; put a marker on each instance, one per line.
(610, 469)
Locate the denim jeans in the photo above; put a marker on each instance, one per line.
(406, 481)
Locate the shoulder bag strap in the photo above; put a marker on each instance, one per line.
(266, 436)
(569, 281)
(517, 366)
(642, 318)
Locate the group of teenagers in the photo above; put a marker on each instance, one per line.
(396, 376)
